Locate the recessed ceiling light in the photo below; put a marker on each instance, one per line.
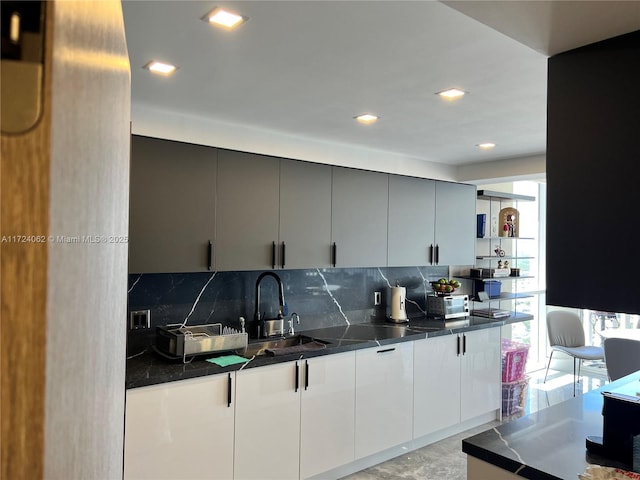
(367, 118)
(224, 18)
(160, 68)
(452, 93)
(486, 146)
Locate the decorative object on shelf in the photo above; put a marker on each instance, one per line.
(506, 264)
(500, 264)
(515, 272)
(481, 224)
(498, 251)
(510, 221)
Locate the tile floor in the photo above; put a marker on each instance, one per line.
(444, 460)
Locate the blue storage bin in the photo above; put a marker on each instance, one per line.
(492, 287)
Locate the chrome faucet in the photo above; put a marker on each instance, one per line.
(269, 328)
(297, 318)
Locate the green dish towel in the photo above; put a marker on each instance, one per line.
(227, 360)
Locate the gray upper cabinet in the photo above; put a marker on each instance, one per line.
(172, 205)
(412, 203)
(247, 214)
(359, 214)
(455, 224)
(196, 208)
(305, 215)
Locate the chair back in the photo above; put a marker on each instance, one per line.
(622, 356)
(564, 328)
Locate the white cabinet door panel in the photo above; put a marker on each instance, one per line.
(180, 430)
(436, 384)
(267, 440)
(480, 377)
(328, 413)
(384, 397)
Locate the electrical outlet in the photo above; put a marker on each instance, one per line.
(377, 298)
(140, 319)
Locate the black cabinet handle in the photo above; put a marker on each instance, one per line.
(334, 254)
(437, 254)
(458, 345)
(386, 350)
(210, 256)
(284, 247)
(464, 344)
(229, 392)
(297, 376)
(273, 256)
(306, 374)
(431, 254)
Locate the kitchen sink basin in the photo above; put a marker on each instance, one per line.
(367, 332)
(282, 346)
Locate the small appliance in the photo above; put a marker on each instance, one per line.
(447, 306)
(396, 297)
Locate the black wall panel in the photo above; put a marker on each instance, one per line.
(593, 176)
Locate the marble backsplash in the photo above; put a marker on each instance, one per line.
(321, 297)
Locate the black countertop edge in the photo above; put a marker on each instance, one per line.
(150, 368)
(551, 441)
(520, 469)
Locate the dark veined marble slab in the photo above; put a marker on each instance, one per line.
(550, 443)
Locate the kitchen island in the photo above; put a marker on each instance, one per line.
(548, 444)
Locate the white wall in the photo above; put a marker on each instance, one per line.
(151, 122)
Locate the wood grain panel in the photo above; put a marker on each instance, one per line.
(63, 304)
(24, 212)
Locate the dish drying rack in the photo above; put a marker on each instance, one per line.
(178, 341)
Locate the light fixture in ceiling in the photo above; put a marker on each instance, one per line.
(451, 93)
(486, 146)
(160, 68)
(367, 118)
(224, 18)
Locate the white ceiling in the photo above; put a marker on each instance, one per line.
(304, 69)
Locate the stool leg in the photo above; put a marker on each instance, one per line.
(548, 364)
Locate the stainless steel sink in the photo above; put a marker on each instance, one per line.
(282, 346)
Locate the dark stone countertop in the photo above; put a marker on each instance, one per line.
(151, 368)
(550, 444)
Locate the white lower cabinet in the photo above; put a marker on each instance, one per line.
(267, 436)
(384, 398)
(299, 419)
(436, 403)
(480, 378)
(327, 423)
(456, 378)
(180, 430)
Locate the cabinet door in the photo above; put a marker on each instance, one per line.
(180, 429)
(455, 223)
(359, 217)
(305, 215)
(247, 211)
(436, 403)
(327, 424)
(412, 207)
(384, 398)
(172, 206)
(267, 436)
(480, 377)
